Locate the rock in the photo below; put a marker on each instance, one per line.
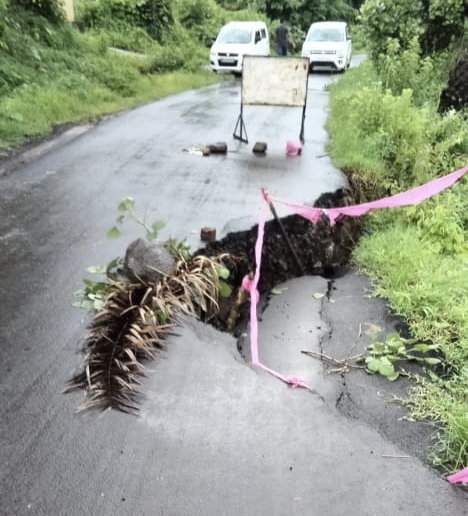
(146, 261)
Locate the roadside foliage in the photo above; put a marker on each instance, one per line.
(389, 135)
(387, 132)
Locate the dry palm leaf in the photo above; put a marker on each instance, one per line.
(132, 326)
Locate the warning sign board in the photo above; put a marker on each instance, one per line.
(274, 81)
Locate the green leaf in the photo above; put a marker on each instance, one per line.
(126, 204)
(96, 269)
(222, 272)
(386, 369)
(373, 364)
(393, 377)
(114, 232)
(158, 225)
(424, 348)
(378, 348)
(390, 337)
(224, 289)
(432, 360)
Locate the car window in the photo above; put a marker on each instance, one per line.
(258, 36)
(263, 33)
(231, 35)
(324, 34)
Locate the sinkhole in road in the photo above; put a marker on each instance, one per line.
(292, 247)
(127, 330)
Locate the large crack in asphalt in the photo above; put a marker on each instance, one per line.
(324, 251)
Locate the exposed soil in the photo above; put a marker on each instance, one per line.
(292, 247)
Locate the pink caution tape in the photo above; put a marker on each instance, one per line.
(461, 476)
(250, 284)
(412, 196)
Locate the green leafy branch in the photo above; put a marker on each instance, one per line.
(126, 208)
(383, 356)
(94, 293)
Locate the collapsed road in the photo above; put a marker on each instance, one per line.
(214, 435)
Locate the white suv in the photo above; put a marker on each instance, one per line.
(328, 44)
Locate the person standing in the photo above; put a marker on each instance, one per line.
(281, 38)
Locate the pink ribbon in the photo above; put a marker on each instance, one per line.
(461, 476)
(250, 284)
(412, 196)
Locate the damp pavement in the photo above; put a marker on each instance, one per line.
(215, 435)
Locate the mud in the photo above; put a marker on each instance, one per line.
(292, 247)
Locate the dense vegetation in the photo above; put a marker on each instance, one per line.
(388, 135)
(385, 127)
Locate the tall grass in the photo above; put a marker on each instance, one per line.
(35, 109)
(386, 133)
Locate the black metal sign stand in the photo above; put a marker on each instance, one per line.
(241, 127)
(240, 132)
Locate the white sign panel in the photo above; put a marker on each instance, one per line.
(274, 81)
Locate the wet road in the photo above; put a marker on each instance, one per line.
(214, 436)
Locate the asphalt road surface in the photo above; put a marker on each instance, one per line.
(215, 435)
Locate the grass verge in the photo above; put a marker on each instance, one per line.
(417, 257)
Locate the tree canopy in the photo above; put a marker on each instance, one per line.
(435, 24)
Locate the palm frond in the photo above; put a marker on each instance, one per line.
(132, 326)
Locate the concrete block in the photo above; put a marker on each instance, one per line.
(218, 148)
(260, 148)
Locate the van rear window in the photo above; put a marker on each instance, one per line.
(230, 35)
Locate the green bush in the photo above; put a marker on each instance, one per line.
(154, 16)
(116, 75)
(391, 135)
(401, 69)
(133, 39)
(435, 23)
(384, 20)
(165, 60)
(202, 19)
(51, 10)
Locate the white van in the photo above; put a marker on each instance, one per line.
(235, 40)
(328, 44)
